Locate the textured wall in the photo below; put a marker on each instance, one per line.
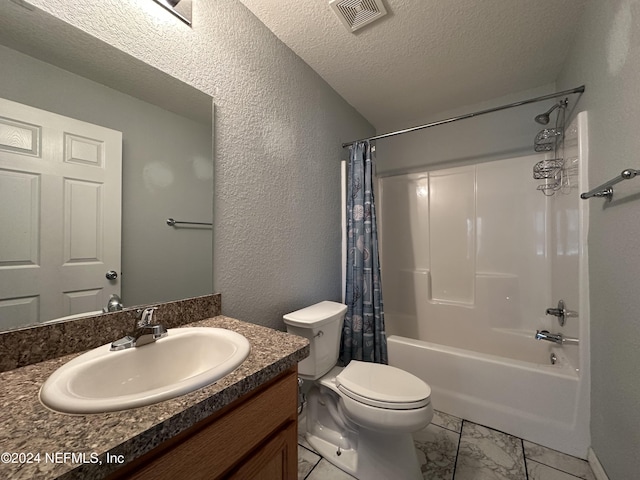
(606, 58)
(278, 134)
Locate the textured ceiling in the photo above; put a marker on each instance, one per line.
(427, 56)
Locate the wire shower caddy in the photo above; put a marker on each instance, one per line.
(551, 140)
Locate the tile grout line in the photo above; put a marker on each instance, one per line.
(455, 462)
(448, 429)
(557, 469)
(320, 457)
(316, 464)
(524, 458)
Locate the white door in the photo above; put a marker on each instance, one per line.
(60, 209)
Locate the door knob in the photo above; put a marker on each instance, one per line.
(111, 275)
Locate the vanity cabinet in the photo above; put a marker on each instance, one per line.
(254, 437)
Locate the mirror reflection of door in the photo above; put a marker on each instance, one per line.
(60, 215)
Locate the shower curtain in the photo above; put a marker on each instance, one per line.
(363, 336)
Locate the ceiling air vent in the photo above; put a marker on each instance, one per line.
(355, 14)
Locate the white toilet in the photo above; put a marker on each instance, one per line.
(360, 417)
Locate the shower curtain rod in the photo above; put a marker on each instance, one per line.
(579, 89)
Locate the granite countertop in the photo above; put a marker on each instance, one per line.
(44, 444)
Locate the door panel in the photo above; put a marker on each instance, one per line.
(60, 209)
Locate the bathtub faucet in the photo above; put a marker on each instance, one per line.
(555, 338)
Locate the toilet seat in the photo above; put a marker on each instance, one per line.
(383, 386)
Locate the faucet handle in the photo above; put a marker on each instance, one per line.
(145, 316)
(114, 304)
(561, 312)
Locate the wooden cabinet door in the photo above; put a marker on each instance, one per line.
(277, 459)
(256, 437)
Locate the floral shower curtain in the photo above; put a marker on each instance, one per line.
(363, 335)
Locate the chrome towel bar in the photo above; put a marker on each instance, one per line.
(605, 189)
(172, 223)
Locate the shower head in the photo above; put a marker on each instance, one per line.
(543, 118)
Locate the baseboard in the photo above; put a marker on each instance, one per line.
(595, 465)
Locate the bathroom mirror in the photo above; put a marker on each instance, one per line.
(167, 151)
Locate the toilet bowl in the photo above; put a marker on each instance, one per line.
(359, 417)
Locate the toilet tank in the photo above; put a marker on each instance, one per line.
(321, 324)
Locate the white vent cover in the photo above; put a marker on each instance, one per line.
(355, 14)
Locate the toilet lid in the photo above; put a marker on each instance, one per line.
(383, 386)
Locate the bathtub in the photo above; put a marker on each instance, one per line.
(472, 256)
(539, 402)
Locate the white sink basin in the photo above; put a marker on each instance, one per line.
(183, 361)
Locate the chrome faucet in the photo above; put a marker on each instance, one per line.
(561, 312)
(146, 331)
(555, 338)
(113, 305)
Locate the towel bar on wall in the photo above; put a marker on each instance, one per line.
(605, 189)
(172, 223)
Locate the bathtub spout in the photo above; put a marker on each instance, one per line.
(550, 337)
(555, 338)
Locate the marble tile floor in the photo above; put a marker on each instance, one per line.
(454, 449)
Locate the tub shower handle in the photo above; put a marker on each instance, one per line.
(561, 312)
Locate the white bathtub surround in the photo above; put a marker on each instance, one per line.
(472, 257)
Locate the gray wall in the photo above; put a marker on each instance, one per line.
(606, 58)
(278, 134)
(494, 136)
(158, 147)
